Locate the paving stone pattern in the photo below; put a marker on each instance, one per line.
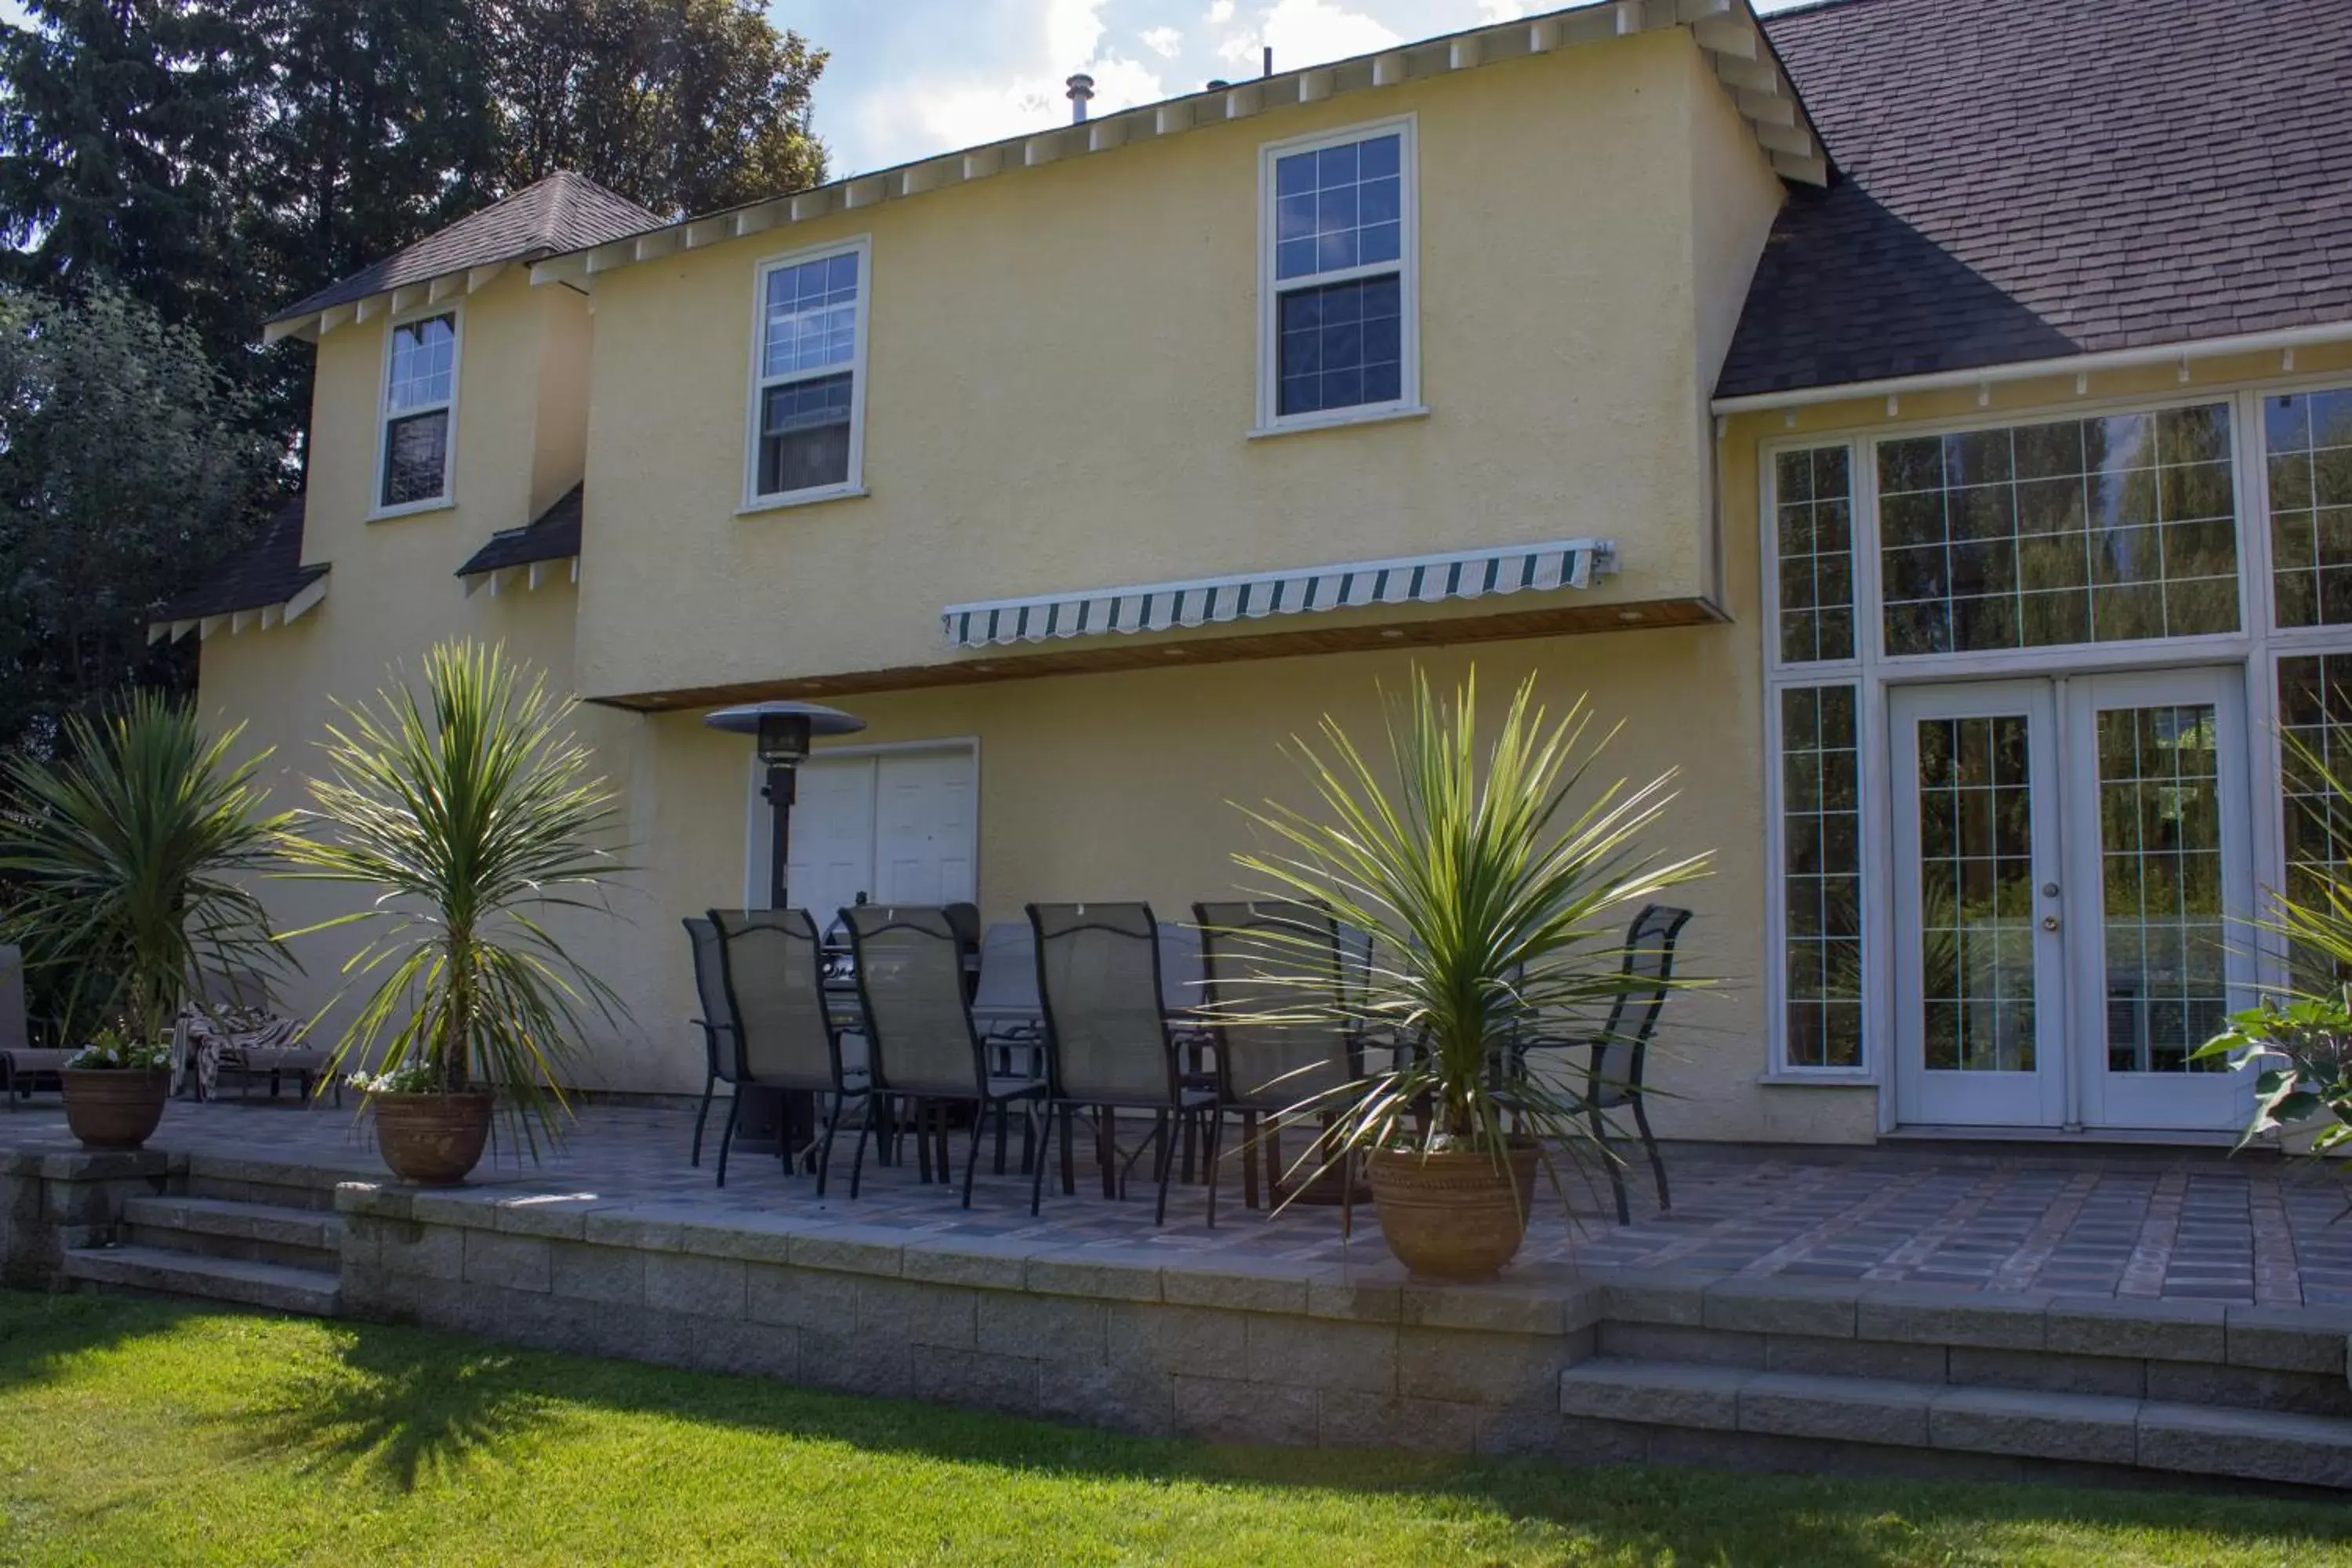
(2134, 1224)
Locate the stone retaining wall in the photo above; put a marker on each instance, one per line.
(51, 1202)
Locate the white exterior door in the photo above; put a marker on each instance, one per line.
(2159, 839)
(923, 835)
(2073, 872)
(887, 828)
(1980, 975)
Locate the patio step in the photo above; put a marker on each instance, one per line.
(157, 1270)
(2188, 1438)
(303, 1238)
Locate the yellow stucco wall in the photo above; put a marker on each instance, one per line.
(1061, 379)
(1061, 384)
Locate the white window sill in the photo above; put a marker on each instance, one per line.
(799, 497)
(413, 509)
(1338, 420)
(1821, 1077)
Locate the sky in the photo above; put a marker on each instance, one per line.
(912, 78)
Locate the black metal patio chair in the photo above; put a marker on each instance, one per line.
(716, 1022)
(772, 972)
(1268, 1069)
(1107, 1042)
(924, 1047)
(1620, 1050)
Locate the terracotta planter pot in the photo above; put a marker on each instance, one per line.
(1452, 1215)
(432, 1139)
(115, 1107)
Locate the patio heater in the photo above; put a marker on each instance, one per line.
(782, 731)
(773, 1121)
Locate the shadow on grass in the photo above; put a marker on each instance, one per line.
(397, 1407)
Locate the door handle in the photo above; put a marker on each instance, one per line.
(2049, 922)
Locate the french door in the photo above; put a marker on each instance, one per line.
(2072, 874)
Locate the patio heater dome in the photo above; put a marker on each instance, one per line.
(784, 730)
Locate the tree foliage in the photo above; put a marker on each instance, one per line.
(126, 467)
(682, 106)
(224, 158)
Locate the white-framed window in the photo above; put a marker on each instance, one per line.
(2213, 527)
(1339, 285)
(807, 430)
(417, 429)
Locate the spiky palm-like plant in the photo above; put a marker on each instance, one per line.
(130, 856)
(471, 814)
(1499, 888)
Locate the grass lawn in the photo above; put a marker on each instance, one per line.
(139, 1432)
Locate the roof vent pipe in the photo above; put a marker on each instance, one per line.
(1269, 61)
(1082, 88)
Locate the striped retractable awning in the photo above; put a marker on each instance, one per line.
(1344, 586)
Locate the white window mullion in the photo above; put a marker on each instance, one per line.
(1339, 285)
(806, 428)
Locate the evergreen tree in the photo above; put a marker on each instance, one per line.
(127, 468)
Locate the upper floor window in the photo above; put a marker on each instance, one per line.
(1339, 327)
(420, 407)
(2076, 531)
(808, 388)
(2311, 505)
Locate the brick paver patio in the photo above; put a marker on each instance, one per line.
(2130, 1222)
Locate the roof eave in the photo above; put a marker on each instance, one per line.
(1726, 31)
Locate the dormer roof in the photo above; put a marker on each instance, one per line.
(561, 213)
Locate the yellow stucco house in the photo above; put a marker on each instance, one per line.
(1944, 458)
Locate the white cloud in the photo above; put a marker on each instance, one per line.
(1505, 10)
(1220, 13)
(971, 103)
(1306, 33)
(1163, 42)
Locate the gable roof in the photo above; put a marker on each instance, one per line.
(562, 212)
(2033, 179)
(267, 574)
(552, 535)
(1725, 31)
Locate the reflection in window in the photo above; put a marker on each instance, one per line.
(2167, 983)
(1976, 893)
(808, 353)
(2079, 532)
(1339, 236)
(1821, 877)
(1813, 494)
(2315, 715)
(2310, 439)
(420, 395)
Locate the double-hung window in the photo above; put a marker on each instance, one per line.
(808, 377)
(1339, 317)
(420, 411)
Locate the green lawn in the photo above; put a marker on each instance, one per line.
(136, 1432)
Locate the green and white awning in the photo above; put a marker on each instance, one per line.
(1304, 590)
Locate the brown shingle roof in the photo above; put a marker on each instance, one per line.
(268, 571)
(552, 535)
(562, 212)
(2026, 179)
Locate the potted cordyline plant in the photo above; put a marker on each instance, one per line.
(126, 853)
(1498, 888)
(471, 814)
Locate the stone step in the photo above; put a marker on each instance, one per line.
(2200, 1439)
(164, 1272)
(226, 1227)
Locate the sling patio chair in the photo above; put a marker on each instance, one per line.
(233, 1024)
(1619, 1050)
(925, 1047)
(771, 973)
(1108, 1041)
(1270, 1068)
(22, 1070)
(716, 1021)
